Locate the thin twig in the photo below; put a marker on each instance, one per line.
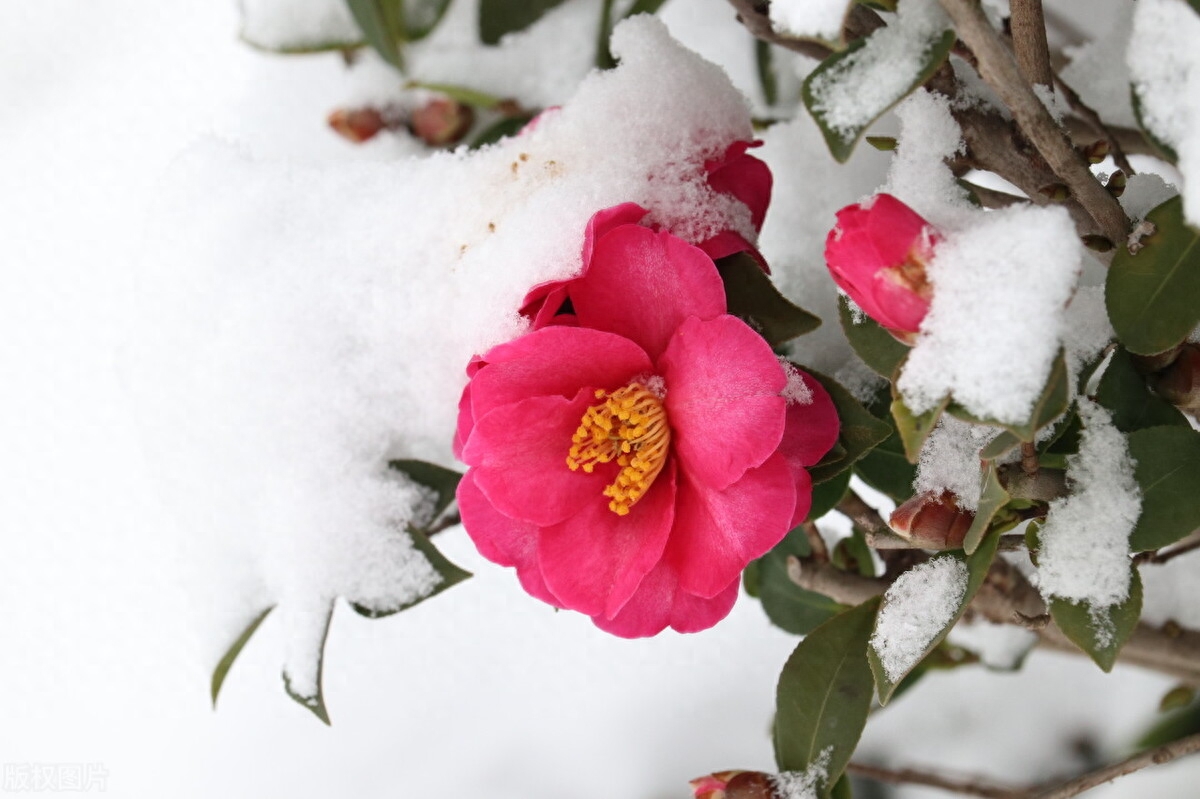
(969, 786)
(1189, 544)
(999, 69)
(858, 511)
(751, 14)
(1029, 41)
(1089, 115)
(820, 552)
(1151, 757)
(992, 198)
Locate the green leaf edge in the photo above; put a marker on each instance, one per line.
(221, 671)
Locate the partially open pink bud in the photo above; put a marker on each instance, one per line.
(441, 122)
(357, 124)
(1179, 383)
(932, 521)
(733, 785)
(877, 253)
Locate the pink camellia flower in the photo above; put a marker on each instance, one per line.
(735, 173)
(877, 253)
(630, 459)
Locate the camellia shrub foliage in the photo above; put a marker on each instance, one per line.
(984, 359)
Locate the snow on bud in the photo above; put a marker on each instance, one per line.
(877, 253)
(357, 124)
(441, 122)
(932, 521)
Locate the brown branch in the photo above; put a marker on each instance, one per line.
(858, 511)
(969, 786)
(999, 69)
(1093, 120)
(1151, 757)
(754, 17)
(1189, 544)
(820, 552)
(1029, 41)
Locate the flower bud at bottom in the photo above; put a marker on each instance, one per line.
(357, 124)
(441, 122)
(932, 521)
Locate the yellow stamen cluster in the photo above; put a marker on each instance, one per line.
(628, 425)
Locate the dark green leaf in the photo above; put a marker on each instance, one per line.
(1000, 445)
(1100, 633)
(315, 702)
(841, 789)
(992, 498)
(645, 7)
(860, 431)
(604, 56)
(382, 22)
(824, 695)
(1151, 296)
(878, 349)
(978, 563)
(752, 297)
(235, 649)
(1168, 472)
(852, 554)
(509, 126)
(828, 494)
(886, 469)
(1123, 391)
(841, 141)
(766, 71)
(1050, 404)
(786, 604)
(498, 17)
(914, 428)
(1179, 724)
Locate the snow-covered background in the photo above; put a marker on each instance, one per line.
(104, 646)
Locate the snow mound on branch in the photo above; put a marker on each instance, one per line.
(299, 325)
(809, 18)
(1165, 65)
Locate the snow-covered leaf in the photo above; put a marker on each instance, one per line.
(752, 297)
(303, 679)
(920, 608)
(1049, 405)
(1168, 473)
(1151, 296)
(824, 695)
(1100, 632)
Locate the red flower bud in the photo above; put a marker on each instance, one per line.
(877, 254)
(932, 521)
(1179, 383)
(357, 124)
(734, 785)
(441, 122)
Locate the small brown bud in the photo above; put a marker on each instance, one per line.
(1116, 183)
(932, 521)
(750, 785)
(1097, 151)
(441, 122)
(357, 124)
(1179, 383)
(1055, 192)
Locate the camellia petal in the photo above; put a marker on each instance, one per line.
(743, 176)
(594, 561)
(811, 428)
(519, 454)
(719, 532)
(660, 603)
(723, 397)
(547, 362)
(502, 540)
(643, 285)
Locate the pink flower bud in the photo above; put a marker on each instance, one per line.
(441, 122)
(932, 521)
(1179, 383)
(877, 254)
(357, 124)
(733, 785)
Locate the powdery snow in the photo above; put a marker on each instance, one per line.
(300, 325)
(1164, 63)
(805, 784)
(915, 609)
(1102, 80)
(298, 24)
(874, 77)
(1084, 554)
(919, 174)
(820, 19)
(950, 460)
(1018, 263)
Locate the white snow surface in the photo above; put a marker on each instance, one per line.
(1084, 553)
(1015, 263)
(298, 24)
(915, 609)
(950, 461)
(870, 80)
(919, 175)
(1097, 73)
(820, 19)
(1164, 63)
(299, 325)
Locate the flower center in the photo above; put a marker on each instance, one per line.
(628, 425)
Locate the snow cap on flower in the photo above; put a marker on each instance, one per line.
(877, 253)
(632, 457)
